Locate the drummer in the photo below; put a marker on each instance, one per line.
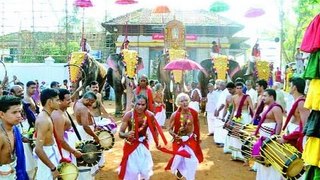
(98, 109)
(86, 122)
(46, 150)
(271, 123)
(241, 114)
(297, 116)
(66, 136)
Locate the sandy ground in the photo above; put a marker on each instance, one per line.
(216, 164)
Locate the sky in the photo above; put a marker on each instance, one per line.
(16, 14)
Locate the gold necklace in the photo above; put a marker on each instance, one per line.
(8, 140)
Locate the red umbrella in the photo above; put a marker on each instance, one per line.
(161, 9)
(184, 64)
(125, 2)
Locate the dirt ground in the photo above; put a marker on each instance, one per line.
(216, 164)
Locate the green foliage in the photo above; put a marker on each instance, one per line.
(305, 11)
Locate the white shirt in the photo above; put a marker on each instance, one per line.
(253, 95)
(212, 99)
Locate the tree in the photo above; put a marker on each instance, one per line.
(305, 11)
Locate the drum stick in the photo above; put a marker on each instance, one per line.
(97, 152)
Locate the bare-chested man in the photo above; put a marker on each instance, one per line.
(46, 149)
(184, 128)
(12, 161)
(65, 136)
(242, 105)
(261, 85)
(297, 116)
(86, 125)
(271, 123)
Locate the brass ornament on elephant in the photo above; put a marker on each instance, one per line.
(220, 64)
(130, 59)
(175, 54)
(77, 58)
(263, 69)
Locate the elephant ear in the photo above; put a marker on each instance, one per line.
(112, 61)
(140, 64)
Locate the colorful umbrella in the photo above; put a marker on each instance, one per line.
(254, 12)
(161, 10)
(219, 6)
(125, 2)
(83, 4)
(184, 64)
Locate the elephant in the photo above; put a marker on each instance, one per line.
(164, 78)
(234, 72)
(86, 70)
(120, 82)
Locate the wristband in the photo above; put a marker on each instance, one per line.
(53, 169)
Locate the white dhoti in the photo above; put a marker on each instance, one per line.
(186, 166)
(220, 134)
(105, 123)
(235, 143)
(161, 116)
(210, 121)
(71, 138)
(44, 172)
(194, 105)
(139, 164)
(9, 170)
(263, 172)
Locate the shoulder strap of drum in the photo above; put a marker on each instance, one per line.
(74, 127)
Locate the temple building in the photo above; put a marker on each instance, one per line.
(144, 29)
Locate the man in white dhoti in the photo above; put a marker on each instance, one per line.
(137, 162)
(212, 98)
(86, 125)
(65, 133)
(195, 97)
(220, 134)
(185, 130)
(46, 150)
(242, 106)
(271, 123)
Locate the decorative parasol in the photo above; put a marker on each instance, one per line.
(219, 6)
(125, 2)
(83, 4)
(184, 64)
(254, 12)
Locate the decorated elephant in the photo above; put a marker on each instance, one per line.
(122, 76)
(166, 79)
(233, 70)
(84, 68)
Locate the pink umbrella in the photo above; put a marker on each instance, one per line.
(125, 2)
(184, 64)
(254, 12)
(83, 4)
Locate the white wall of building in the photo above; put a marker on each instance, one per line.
(47, 72)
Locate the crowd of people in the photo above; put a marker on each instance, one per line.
(40, 134)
